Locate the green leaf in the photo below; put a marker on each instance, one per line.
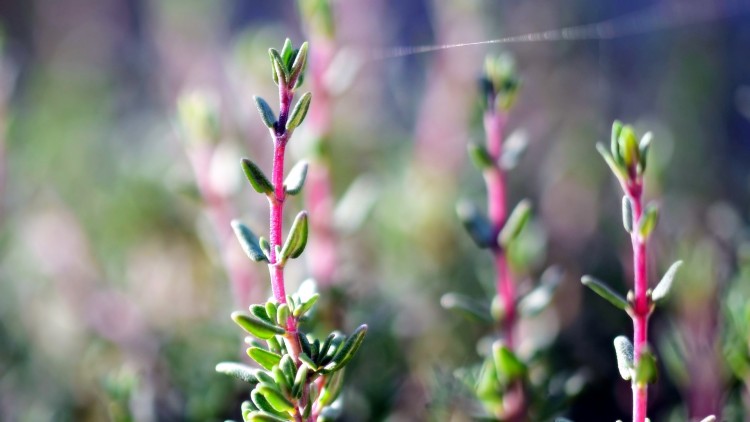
(479, 228)
(260, 416)
(466, 307)
(298, 66)
(248, 241)
(307, 305)
(648, 221)
(644, 146)
(297, 238)
(515, 223)
(539, 298)
(280, 75)
(645, 369)
(614, 144)
(604, 291)
(288, 368)
(624, 352)
(260, 312)
(627, 214)
(299, 112)
(347, 351)
(276, 399)
(256, 326)
(305, 359)
(264, 246)
(304, 343)
(506, 362)
(296, 178)
(616, 168)
(332, 388)
(246, 407)
(265, 378)
(263, 404)
(665, 284)
(269, 119)
(263, 357)
(628, 146)
(270, 308)
(299, 381)
(287, 53)
(256, 177)
(480, 156)
(239, 371)
(282, 314)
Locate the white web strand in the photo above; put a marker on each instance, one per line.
(660, 17)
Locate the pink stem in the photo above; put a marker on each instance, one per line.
(497, 210)
(641, 309)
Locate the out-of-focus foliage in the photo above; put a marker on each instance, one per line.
(115, 278)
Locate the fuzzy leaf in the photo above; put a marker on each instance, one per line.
(645, 370)
(299, 112)
(466, 307)
(256, 326)
(280, 75)
(282, 314)
(515, 223)
(270, 308)
(256, 177)
(305, 359)
(507, 363)
(297, 238)
(614, 145)
(295, 180)
(260, 416)
(604, 291)
(627, 214)
(648, 221)
(263, 404)
(299, 381)
(239, 371)
(263, 357)
(332, 388)
(710, 418)
(624, 352)
(539, 298)
(269, 119)
(287, 53)
(480, 156)
(276, 399)
(248, 241)
(260, 312)
(306, 305)
(347, 351)
(616, 168)
(299, 64)
(644, 146)
(478, 226)
(628, 147)
(288, 368)
(665, 285)
(264, 378)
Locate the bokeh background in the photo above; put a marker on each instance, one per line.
(118, 272)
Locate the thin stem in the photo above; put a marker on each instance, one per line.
(641, 311)
(497, 210)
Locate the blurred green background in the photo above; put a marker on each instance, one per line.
(115, 266)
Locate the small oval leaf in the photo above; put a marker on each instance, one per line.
(624, 352)
(604, 291)
(256, 177)
(239, 371)
(665, 285)
(256, 326)
(297, 238)
(263, 357)
(296, 178)
(299, 112)
(266, 114)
